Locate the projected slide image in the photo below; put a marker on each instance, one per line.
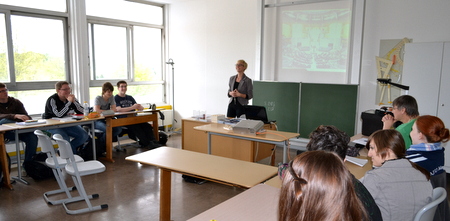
(315, 40)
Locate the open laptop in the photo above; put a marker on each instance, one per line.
(253, 112)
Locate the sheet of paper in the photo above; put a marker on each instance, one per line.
(361, 141)
(356, 161)
(31, 123)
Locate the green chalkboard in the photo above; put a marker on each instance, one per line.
(281, 100)
(327, 104)
(301, 107)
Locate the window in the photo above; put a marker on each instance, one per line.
(126, 42)
(33, 51)
(126, 45)
(52, 5)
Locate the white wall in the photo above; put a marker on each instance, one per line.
(421, 21)
(208, 36)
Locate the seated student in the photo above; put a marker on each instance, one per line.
(405, 110)
(400, 188)
(102, 103)
(428, 133)
(318, 186)
(62, 104)
(330, 138)
(143, 131)
(11, 111)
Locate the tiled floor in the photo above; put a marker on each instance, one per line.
(131, 191)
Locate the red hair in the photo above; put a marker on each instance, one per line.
(432, 128)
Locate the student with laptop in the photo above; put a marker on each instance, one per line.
(240, 90)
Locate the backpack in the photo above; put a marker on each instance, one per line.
(162, 138)
(37, 169)
(86, 151)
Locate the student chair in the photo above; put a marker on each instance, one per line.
(119, 146)
(57, 164)
(77, 170)
(427, 212)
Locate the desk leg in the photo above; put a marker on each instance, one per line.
(155, 127)
(108, 141)
(19, 163)
(94, 148)
(209, 143)
(4, 161)
(165, 194)
(285, 151)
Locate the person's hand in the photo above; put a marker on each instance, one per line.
(237, 93)
(138, 107)
(71, 98)
(388, 121)
(21, 117)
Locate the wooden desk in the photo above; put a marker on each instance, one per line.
(275, 137)
(257, 203)
(214, 168)
(49, 124)
(133, 117)
(239, 149)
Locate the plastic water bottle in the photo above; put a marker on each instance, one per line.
(86, 109)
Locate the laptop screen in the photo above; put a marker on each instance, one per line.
(256, 113)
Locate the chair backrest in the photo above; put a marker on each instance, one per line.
(65, 150)
(427, 212)
(45, 142)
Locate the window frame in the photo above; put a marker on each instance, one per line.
(9, 11)
(129, 25)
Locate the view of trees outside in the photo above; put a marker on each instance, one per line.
(39, 51)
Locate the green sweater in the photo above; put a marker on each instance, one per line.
(405, 129)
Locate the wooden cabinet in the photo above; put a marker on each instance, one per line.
(427, 71)
(197, 141)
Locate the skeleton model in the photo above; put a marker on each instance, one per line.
(389, 67)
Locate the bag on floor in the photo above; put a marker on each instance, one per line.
(86, 152)
(162, 138)
(37, 169)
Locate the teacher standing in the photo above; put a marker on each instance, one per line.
(240, 90)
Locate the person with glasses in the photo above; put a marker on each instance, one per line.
(62, 104)
(399, 187)
(405, 110)
(11, 111)
(240, 90)
(318, 186)
(143, 131)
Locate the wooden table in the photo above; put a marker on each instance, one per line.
(209, 167)
(133, 117)
(49, 124)
(272, 137)
(238, 149)
(257, 203)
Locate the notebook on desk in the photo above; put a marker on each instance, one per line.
(253, 112)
